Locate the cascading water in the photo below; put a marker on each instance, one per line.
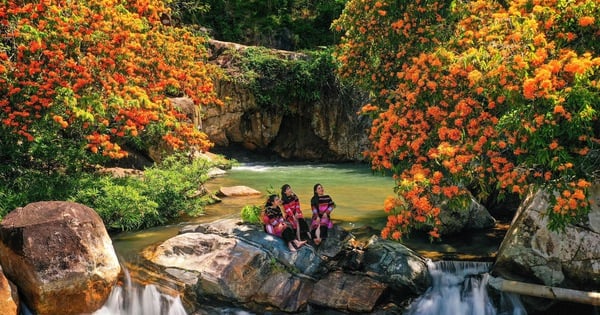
(131, 299)
(460, 287)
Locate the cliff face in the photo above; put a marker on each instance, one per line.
(326, 130)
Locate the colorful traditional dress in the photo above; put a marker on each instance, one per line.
(276, 225)
(291, 207)
(322, 208)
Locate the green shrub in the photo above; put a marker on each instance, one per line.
(165, 192)
(251, 214)
(290, 25)
(120, 203)
(173, 183)
(24, 186)
(279, 83)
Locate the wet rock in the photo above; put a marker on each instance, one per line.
(284, 291)
(60, 255)
(398, 265)
(231, 269)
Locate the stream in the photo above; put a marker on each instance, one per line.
(359, 195)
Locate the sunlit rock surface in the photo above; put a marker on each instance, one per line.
(60, 255)
(240, 263)
(237, 191)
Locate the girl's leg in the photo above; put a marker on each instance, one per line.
(324, 232)
(299, 243)
(317, 234)
(304, 230)
(288, 237)
(298, 230)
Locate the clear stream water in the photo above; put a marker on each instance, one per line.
(358, 193)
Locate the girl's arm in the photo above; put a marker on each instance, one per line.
(269, 228)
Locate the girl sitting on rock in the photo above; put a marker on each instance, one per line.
(293, 213)
(276, 225)
(321, 205)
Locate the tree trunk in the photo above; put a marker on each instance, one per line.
(543, 291)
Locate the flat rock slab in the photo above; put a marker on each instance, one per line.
(237, 191)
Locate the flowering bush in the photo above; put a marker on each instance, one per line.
(477, 98)
(81, 79)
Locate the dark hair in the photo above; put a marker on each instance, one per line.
(285, 198)
(315, 198)
(284, 188)
(270, 200)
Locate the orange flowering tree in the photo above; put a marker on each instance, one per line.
(477, 98)
(82, 80)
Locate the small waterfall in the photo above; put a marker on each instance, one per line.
(131, 299)
(460, 287)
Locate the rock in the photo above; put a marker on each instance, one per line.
(532, 253)
(405, 271)
(326, 129)
(119, 172)
(246, 272)
(347, 292)
(60, 255)
(237, 191)
(215, 172)
(9, 296)
(239, 262)
(306, 260)
(187, 107)
(284, 291)
(475, 217)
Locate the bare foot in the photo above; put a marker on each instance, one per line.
(299, 243)
(291, 247)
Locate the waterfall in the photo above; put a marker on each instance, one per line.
(130, 299)
(460, 287)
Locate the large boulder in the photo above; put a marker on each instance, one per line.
(244, 270)
(60, 255)
(238, 262)
(532, 253)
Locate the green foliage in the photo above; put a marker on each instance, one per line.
(20, 186)
(173, 184)
(165, 192)
(280, 81)
(121, 203)
(251, 214)
(283, 24)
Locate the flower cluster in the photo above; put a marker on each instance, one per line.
(476, 99)
(102, 71)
